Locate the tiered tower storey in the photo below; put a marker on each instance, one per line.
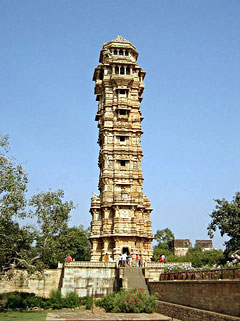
(121, 213)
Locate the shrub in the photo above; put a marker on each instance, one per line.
(107, 302)
(15, 300)
(23, 300)
(89, 302)
(71, 300)
(128, 301)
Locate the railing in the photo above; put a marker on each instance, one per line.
(165, 265)
(216, 274)
(89, 264)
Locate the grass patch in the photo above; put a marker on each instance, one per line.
(24, 316)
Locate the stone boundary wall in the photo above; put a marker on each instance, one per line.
(221, 296)
(90, 278)
(40, 284)
(184, 313)
(152, 271)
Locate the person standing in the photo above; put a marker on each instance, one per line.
(124, 259)
(106, 258)
(120, 261)
(129, 260)
(137, 260)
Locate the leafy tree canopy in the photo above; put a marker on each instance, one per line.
(14, 240)
(163, 238)
(13, 185)
(32, 247)
(226, 217)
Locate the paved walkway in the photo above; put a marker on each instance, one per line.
(88, 316)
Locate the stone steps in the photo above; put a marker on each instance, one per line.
(134, 278)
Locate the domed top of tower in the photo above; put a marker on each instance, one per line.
(117, 44)
(119, 40)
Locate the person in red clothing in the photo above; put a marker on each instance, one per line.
(68, 258)
(137, 260)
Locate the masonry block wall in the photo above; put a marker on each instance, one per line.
(222, 296)
(40, 284)
(89, 278)
(152, 271)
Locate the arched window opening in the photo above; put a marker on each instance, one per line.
(121, 71)
(128, 71)
(120, 52)
(126, 53)
(116, 70)
(115, 52)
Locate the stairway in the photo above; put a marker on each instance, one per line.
(133, 278)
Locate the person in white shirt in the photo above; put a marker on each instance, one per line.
(124, 259)
(119, 262)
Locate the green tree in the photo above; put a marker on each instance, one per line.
(200, 258)
(226, 218)
(32, 247)
(163, 238)
(14, 240)
(74, 241)
(13, 184)
(52, 215)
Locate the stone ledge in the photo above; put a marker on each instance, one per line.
(88, 316)
(89, 264)
(235, 281)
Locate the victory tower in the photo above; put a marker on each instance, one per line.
(121, 213)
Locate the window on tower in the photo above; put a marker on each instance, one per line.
(121, 71)
(122, 112)
(126, 53)
(122, 162)
(115, 52)
(122, 138)
(122, 91)
(101, 74)
(120, 52)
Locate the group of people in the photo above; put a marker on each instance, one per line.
(108, 258)
(125, 260)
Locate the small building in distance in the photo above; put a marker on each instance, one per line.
(206, 245)
(180, 247)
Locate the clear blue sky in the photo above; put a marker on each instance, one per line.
(191, 53)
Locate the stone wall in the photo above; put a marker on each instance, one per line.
(40, 284)
(85, 278)
(152, 271)
(222, 296)
(90, 278)
(184, 313)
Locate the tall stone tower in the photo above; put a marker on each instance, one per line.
(121, 213)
